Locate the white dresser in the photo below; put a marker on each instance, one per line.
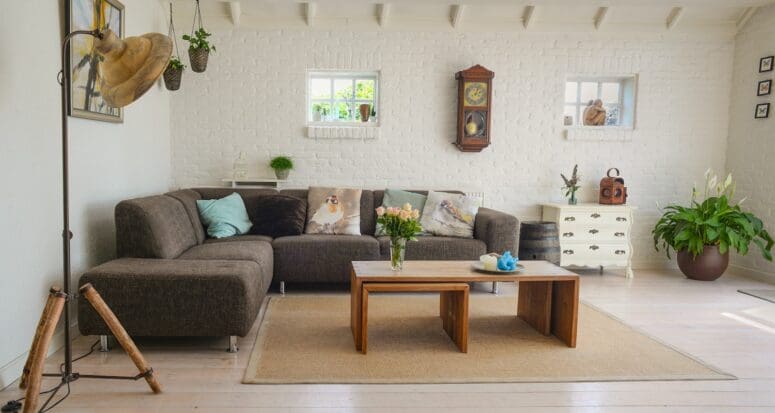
(593, 235)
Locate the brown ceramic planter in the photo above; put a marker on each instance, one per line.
(707, 266)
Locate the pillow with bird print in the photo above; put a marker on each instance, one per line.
(450, 215)
(333, 211)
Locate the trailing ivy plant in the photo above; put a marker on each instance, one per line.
(712, 220)
(199, 40)
(175, 64)
(281, 163)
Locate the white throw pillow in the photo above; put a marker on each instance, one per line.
(334, 211)
(451, 215)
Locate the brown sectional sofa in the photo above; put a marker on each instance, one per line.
(171, 280)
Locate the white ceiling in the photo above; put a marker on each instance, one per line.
(716, 16)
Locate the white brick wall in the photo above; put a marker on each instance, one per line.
(751, 150)
(252, 98)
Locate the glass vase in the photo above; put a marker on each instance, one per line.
(397, 249)
(572, 200)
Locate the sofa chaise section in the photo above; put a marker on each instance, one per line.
(161, 297)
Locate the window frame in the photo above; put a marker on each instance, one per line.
(622, 104)
(333, 101)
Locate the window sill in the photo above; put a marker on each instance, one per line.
(343, 130)
(599, 133)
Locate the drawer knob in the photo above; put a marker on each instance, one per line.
(567, 234)
(594, 247)
(619, 252)
(595, 215)
(568, 252)
(593, 231)
(621, 219)
(618, 234)
(570, 218)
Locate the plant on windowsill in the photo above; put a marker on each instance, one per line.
(704, 232)
(199, 49)
(282, 166)
(400, 225)
(173, 73)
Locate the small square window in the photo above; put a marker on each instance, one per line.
(336, 97)
(599, 101)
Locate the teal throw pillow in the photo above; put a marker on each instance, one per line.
(397, 198)
(224, 217)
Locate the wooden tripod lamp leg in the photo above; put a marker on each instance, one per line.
(38, 333)
(88, 291)
(35, 361)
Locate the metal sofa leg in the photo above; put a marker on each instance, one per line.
(104, 347)
(232, 345)
(495, 287)
(282, 287)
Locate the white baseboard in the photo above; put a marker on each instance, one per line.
(13, 370)
(757, 275)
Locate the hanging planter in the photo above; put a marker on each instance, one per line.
(174, 71)
(173, 74)
(199, 48)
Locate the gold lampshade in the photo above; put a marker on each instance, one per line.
(131, 66)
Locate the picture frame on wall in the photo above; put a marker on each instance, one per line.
(765, 64)
(762, 111)
(765, 88)
(85, 99)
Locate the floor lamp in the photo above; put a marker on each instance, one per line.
(128, 69)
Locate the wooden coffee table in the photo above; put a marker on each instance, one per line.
(548, 296)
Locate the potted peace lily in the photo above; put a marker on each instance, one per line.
(282, 166)
(704, 232)
(401, 225)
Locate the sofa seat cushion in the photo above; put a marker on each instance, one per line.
(321, 258)
(259, 252)
(437, 248)
(158, 297)
(238, 238)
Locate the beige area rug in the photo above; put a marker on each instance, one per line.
(307, 339)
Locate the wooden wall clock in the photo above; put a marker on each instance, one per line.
(474, 106)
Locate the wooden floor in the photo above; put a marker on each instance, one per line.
(711, 321)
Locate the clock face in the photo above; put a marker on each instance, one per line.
(475, 93)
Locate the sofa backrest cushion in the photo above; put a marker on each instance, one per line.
(380, 195)
(188, 198)
(153, 227)
(368, 216)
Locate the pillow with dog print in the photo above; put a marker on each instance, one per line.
(333, 211)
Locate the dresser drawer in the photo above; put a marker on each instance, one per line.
(594, 218)
(591, 253)
(593, 232)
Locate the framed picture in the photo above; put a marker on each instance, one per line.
(85, 99)
(762, 111)
(765, 88)
(765, 64)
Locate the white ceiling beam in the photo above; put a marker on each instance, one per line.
(747, 14)
(235, 11)
(310, 10)
(457, 14)
(383, 14)
(600, 17)
(527, 16)
(674, 17)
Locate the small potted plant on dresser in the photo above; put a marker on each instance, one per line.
(282, 166)
(703, 232)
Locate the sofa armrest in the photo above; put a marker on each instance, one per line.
(500, 231)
